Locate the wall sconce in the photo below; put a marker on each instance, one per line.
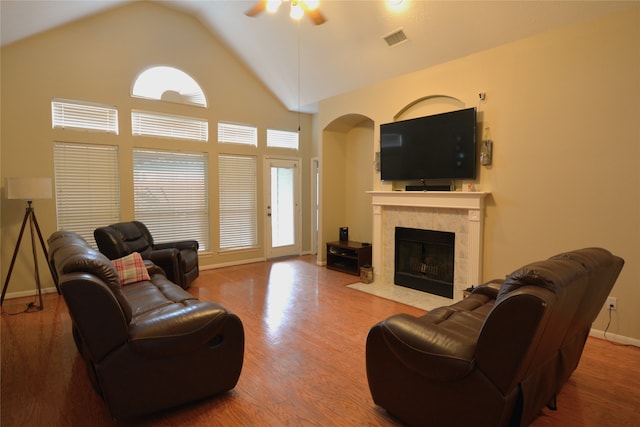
(486, 152)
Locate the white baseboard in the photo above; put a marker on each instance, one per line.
(230, 264)
(619, 339)
(30, 292)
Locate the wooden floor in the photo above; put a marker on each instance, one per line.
(304, 360)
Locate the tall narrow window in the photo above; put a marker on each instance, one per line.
(171, 195)
(238, 201)
(87, 187)
(81, 115)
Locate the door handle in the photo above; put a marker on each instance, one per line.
(268, 210)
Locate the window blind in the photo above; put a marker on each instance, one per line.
(171, 195)
(282, 139)
(237, 134)
(84, 115)
(168, 126)
(238, 201)
(87, 187)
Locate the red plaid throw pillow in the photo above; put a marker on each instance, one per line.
(131, 268)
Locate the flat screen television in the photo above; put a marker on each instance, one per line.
(437, 147)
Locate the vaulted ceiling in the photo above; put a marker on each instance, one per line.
(303, 63)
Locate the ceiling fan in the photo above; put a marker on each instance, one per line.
(299, 8)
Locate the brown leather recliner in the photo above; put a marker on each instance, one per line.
(148, 345)
(178, 259)
(497, 357)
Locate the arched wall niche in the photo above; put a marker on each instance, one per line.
(430, 104)
(347, 122)
(347, 166)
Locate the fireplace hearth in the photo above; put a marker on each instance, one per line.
(424, 260)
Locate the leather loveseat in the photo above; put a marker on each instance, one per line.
(148, 345)
(497, 357)
(178, 259)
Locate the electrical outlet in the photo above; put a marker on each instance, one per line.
(612, 303)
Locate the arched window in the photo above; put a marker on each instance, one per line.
(171, 186)
(168, 84)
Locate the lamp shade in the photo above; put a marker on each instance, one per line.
(29, 188)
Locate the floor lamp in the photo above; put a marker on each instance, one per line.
(29, 189)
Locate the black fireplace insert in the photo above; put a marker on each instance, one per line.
(424, 260)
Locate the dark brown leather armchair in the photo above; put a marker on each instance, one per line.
(497, 357)
(179, 259)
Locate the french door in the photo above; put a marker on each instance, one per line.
(282, 201)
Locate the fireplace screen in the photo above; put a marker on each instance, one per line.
(424, 260)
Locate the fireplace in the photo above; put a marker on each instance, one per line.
(424, 260)
(457, 212)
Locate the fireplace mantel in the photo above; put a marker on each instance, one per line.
(430, 199)
(404, 208)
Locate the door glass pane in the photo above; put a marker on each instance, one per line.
(282, 207)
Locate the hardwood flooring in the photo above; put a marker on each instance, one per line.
(304, 360)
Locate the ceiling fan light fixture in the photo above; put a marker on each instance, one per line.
(311, 4)
(273, 5)
(397, 5)
(299, 8)
(296, 10)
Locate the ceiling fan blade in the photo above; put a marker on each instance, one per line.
(313, 13)
(257, 8)
(316, 16)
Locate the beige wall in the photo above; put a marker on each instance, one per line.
(347, 162)
(358, 181)
(562, 109)
(97, 59)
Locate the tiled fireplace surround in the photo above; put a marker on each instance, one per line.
(458, 212)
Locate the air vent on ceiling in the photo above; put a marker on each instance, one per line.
(395, 38)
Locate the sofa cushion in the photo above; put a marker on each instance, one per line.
(131, 268)
(147, 296)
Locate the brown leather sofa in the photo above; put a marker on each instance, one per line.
(497, 357)
(178, 259)
(149, 345)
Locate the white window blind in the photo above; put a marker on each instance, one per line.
(237, 134)
(168, 126)
(87, 187)
(238, 201)
(84, 115)
(282, 139)
(171, 195)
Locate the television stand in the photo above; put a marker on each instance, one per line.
(348, 256)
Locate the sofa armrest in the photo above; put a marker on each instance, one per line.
(179, 328)
(167, 259)
(180, 245)
(164, 256)
(490, 288)
(92, 305)
(428, 349)
(521, 316)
